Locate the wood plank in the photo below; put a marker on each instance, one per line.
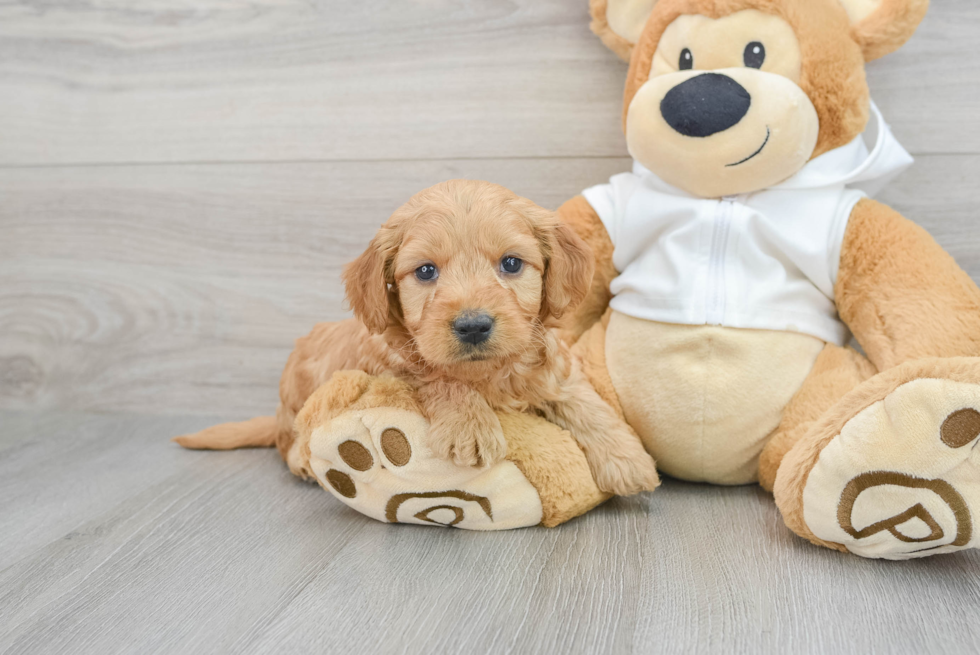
(377, 80)
(225, 552)
(173, 289)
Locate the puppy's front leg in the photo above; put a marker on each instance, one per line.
(615, 454)
(462, 425)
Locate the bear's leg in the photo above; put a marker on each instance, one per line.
(835, 373)
(892, 470)
(591, 351)
(363, 439)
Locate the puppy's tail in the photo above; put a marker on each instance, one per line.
(259, 432)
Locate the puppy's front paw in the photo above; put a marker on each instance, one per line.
(624, 474)
(470, 445)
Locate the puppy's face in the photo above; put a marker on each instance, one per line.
(470, 285)
(470, 271)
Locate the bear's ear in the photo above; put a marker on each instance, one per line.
(883, 26)
(619, 23)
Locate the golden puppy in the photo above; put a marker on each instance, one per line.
(460, 293)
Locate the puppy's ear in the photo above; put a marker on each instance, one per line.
(367, 278)
(619, 23)
(883, 26)
(568, 271)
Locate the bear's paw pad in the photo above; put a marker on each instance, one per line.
(902, 479)
(377, 462)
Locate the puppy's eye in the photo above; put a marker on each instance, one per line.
(687, 60)
(755, 55)
(427, 272)
(511, 265)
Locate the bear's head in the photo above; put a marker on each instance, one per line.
(731, 96)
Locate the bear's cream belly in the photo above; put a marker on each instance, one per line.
(705, 399)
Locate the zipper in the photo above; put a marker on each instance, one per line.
(715, 291)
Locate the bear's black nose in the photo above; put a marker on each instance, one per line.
(705, 105)
(473, 328)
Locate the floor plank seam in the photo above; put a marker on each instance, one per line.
(392, 160)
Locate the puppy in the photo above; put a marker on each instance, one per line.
(460, 293)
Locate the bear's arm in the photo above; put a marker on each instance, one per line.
(578, 213)
(901, 294)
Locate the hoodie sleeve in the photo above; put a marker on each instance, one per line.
(610, 200)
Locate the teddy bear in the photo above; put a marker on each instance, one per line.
(743, 250)
(733, 265)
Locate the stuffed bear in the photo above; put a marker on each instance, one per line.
(742, 252)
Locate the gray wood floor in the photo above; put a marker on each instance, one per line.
(180, 183)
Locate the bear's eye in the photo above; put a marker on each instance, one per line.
(687, 60)
(755, 55)
(427, 272)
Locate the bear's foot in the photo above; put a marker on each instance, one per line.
(365, 440)
(377, 462)
(894, 471)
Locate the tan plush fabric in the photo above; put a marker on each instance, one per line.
(591, 350)
(833, 63)
(554, 464)
(794, 471)
(346, 391)
(886, 29)
(600, 27)
(901, 294)
(906, 300)
(782, 108)
(899, 481)
(619, 23)
(836, 371)
(704, 399)
(364, 439)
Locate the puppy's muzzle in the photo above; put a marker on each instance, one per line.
(473, 327)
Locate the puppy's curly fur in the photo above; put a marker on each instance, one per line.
(407, 326)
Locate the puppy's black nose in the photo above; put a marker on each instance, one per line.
(473, 328)
(705, 105)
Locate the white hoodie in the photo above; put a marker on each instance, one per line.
(765, 260)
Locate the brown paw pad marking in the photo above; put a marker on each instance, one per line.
(341, 483)
(424, 515)
(949, 495)
(396, 447)
(960, 428)
(355, 455)
(453, 502)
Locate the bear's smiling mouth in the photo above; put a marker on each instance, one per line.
(754, 154)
